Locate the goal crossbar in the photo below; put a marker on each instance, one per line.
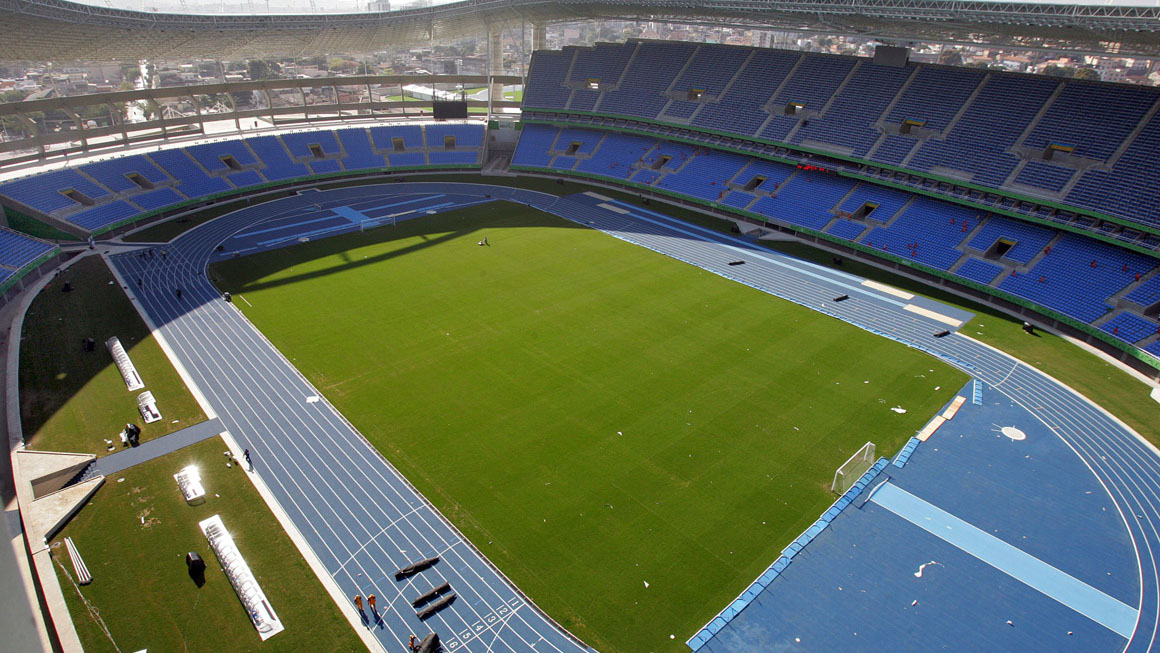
(851, 470)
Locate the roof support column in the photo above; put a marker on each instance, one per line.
(494, 61)
(539, 37)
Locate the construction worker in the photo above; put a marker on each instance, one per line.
(358, 602)
(371, 602)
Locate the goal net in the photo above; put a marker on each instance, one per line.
(853, 469)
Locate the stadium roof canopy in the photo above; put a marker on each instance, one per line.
(59, 30)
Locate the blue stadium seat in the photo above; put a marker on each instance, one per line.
(114, 173)
(18, 250)
(103, 215)
(977, 270)
(1029, 239)
(192, 180)
(210, 155)
(359, 153)
(648, 76)
(465, 136)
(1129, 327)
(437, 157)
(383, 137)
(739, 110)
(45, 191)
(157, 199)
(279, 166)
(298, 143)
(812, 84)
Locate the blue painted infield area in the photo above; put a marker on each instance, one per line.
(852, 589)
(1066, 589)
(1036, 541)
(1034, 494)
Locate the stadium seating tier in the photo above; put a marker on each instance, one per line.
(975, 126)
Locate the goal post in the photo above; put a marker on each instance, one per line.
(848, 474)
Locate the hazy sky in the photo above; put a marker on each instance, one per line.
(353, 6)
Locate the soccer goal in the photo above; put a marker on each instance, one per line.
(853, 469)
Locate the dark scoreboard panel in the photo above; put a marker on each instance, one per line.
(450, 110)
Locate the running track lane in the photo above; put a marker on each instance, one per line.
(359, 516)
(1127, 467)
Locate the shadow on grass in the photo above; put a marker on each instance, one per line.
(245, 274)
(73, 400)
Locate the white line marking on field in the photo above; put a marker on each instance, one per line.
(242, 297)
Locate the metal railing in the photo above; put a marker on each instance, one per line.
(64, 126)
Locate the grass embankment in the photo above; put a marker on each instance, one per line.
(134, 535)
(593, 415)
(71, 400)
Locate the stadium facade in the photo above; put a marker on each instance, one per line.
(1037, 195)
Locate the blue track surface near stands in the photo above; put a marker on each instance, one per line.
(363, 520)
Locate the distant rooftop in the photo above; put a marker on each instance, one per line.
(114, 30)
(307, 7)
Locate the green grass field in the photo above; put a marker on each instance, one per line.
(72, 401)
(1112, 388)
(134, 534)
(592, 415)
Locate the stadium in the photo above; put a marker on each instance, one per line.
(506, 325)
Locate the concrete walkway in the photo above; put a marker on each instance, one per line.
(147, 451)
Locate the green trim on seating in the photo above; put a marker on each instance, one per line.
(801, 148)
(25, 270)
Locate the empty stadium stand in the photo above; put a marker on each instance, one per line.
(216, 157)
(50, 192)
(453, 136)
(359, 153)
(409, 137)
(18, 250)
(106, 194)
(20, 255)
(279, 166)
(977, 135)
(192, 180)
(118, 175)
(311, 145)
